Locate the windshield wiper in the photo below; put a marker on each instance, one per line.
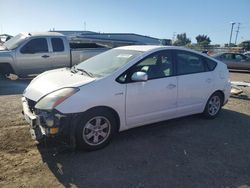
(75, 70)
(86, 72)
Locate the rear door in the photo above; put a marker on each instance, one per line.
(33, 57)
(228, 59)
(195, 82)
(60, 55)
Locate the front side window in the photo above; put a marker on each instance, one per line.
(57, 45)
(239, 57)
(189, 63)
(157, 65)
(38, 45)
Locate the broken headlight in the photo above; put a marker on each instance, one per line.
(51, 100)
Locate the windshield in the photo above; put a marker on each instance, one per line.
(108, 62)
(15, 41)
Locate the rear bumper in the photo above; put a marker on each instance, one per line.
(227, 92)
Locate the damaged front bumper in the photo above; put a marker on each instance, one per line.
(44, 123)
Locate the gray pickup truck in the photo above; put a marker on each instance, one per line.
(33, 53)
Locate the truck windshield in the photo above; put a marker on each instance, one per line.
(107, 62)
(15, 41)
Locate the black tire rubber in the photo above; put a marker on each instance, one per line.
(2, 76)
(206, 113)
(81, 123)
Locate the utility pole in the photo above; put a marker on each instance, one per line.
(84, 26)
(229, 44)
(173, 38)
(237, 32)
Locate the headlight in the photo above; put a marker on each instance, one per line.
(50, 101)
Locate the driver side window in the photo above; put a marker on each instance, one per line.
(157, 65)
(38, 45)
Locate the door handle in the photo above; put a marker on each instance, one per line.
(45, 56)
(171, 86)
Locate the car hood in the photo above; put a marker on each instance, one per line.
(50, 81)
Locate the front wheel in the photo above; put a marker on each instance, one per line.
(2, 76)
(95, 129)
(213, 106)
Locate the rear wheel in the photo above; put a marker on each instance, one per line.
(95, 129)
(213, 106)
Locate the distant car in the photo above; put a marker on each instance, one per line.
(247, 54)
(234, 60)
(124, 88)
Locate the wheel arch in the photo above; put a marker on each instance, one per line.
(114, 112)
(221, 93)
(6, 68)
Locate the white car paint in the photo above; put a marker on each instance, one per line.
(136, 103)
(52, 80)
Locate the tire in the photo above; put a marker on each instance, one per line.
(2, 76)
(213, 106)
(95, 129)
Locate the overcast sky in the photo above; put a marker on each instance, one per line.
(156, 18)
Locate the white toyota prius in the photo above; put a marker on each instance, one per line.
(123, 88)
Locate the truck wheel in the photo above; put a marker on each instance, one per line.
(213, 106)
(95, 129)
(5, 70)
(2, 76)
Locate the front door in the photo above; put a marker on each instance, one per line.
(155, 99)
(34, 57)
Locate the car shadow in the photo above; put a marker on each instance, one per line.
(13, 87)
(184, 152)
(239, 71)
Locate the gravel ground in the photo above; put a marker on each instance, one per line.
(184, 152)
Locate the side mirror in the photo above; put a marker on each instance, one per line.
(139, 77)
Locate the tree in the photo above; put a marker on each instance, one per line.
(166, 42)
(245, 45)
(182, 40)
(203, 40)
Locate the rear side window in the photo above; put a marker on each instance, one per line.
(38, 45)
(57, 45)
(227, 56)
(189, 63)
(211, 64)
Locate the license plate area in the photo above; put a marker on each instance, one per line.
(31, 120)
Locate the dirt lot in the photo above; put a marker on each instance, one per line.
(185, 152)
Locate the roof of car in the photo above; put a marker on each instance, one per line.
(145, 48)
(42, 34)
(221, 53)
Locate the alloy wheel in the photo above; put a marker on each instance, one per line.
(214, 105)
(96, 130)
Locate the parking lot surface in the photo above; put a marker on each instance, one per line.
(184, 152)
